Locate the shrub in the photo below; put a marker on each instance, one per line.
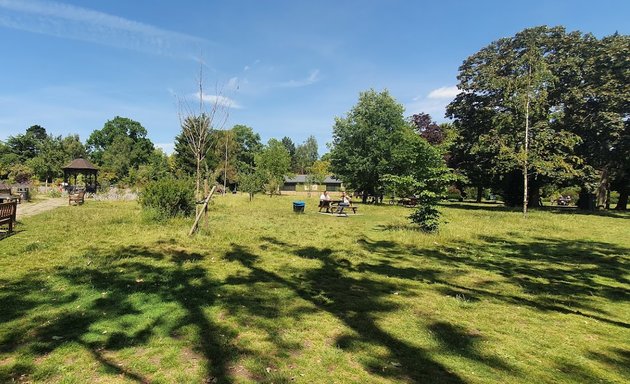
(427, 217)
(54, 193)
(168, 197)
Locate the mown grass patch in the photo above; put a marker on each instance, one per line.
(96, 293)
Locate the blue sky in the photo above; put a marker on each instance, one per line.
(287, 68)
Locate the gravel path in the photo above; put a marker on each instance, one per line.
(30, 209)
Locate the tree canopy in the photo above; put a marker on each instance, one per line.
(119, 147)
(273, 163)
(305, 155)
(561, 93)
(38, 154)
(364, 140)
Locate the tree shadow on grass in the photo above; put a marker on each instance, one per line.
(615, 358)
(116, 320)
(556, 210)
(552, 274)
(356, 302)
(457, 340)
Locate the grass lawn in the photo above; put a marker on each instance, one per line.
(95, 294)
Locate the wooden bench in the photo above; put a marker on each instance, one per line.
(7, 214)
(77, 198)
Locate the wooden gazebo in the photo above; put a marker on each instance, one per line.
(83, 167)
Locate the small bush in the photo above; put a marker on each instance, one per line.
(427, 217)
(54, 193)
(168, 197)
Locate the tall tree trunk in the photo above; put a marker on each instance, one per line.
(226, 163)
(364, 197)
(622, 203)
(525, 163)
(585, 201)
(198, 178)
(602, 188)
(525, 160)
(525, 195)
(534, 196)
(479, 193)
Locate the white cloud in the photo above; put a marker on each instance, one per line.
(72, 22)
(219, 100)
(444, 93)
(434, 103)
(312, 78)
(434, 107)
(232, 84)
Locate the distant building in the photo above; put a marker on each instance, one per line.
(298, 184)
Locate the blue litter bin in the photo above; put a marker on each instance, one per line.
(298, 206)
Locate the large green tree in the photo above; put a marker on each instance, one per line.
(424, 175)
(225, 152)
(156, 168)
(120, 146)
(73, 148)
(248, 143)
(289, 145)
(27, 146)
(44, 154)
(363, 142)
(305, 155)
(596, 103)
(506, 117)
(50, 159)
(273, 163)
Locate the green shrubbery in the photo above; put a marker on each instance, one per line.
(453, 193)
(427, 216)
(54, 193)
(168, 197)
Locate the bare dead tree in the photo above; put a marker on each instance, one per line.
(196, 126)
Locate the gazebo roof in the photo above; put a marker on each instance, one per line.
(80, 164)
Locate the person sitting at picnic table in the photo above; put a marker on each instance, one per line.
(324, 201)
(345, 200)
(564, 200)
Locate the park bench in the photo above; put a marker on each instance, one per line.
(77, 198)
(7, 214)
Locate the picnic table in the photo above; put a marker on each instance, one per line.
(562, 200)
(335, 207)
